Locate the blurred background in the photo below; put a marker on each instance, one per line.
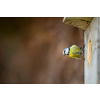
(31, 51)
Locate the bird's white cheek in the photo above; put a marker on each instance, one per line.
(66, 52)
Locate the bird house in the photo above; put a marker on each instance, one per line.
(91, 27)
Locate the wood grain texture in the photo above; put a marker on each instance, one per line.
(79, 22)
(91, 67)
(98, 46)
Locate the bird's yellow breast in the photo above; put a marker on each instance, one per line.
(73, 50)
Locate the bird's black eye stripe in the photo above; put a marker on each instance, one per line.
(69, 50)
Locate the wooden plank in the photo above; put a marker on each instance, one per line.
(92, 53)
(79, 22)
(98, 45)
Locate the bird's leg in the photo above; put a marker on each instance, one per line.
(83, 46)
(83, 59)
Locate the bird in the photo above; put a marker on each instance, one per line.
(74, 52)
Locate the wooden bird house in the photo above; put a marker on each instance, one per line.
(91, 25)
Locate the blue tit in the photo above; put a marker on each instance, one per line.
(73, 52)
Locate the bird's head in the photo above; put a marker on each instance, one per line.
(66, 51)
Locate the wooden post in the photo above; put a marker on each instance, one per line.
(91, 53)
(92, 47)
(98, 50)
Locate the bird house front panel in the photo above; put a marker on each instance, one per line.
(91, 53)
